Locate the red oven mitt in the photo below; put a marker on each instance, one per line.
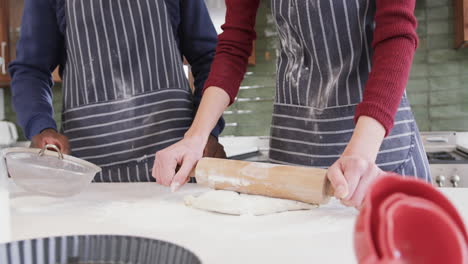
(406, 220)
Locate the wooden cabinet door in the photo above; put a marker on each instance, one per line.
(4, 40)
(11, 12)
(461, 23)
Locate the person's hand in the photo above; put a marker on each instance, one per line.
(183, 155)
(50, 136)
(353, 173)
(214, 149)
(351, 177)
(173, 164)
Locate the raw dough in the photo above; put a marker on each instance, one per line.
(233, 203)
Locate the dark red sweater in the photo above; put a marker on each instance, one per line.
(394, 45)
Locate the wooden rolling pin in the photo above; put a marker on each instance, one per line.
(305, 184)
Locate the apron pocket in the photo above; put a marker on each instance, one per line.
(129, 130)
(310, 136)
(317, 137)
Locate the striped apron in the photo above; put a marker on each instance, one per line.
(125, 92)
(324, 63)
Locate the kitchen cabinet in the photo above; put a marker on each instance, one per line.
(461, 23)
(10, 21)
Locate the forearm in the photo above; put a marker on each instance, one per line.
(220, 124)
(394, 45)
(173, 164)
(214, 101)
(32, 104)
(39, 51)
(366, 140)
(234, 46)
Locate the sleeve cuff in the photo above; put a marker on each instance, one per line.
(377, 112)
(37, 124)
(230, 87)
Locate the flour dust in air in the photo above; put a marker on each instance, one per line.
(233, 203)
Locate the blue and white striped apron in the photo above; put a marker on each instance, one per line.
(125, 92)
(324, 63)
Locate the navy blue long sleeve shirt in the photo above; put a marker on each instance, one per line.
(41, 48)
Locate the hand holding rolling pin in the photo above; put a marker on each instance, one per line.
(196, 143)
(183, 155)
(353, 173)
(351, 177)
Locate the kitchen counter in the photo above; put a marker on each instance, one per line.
(322, 235)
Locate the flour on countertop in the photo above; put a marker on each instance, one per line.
(233, 203)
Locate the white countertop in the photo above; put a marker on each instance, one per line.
(322, 235)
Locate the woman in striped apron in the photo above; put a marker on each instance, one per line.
(125, 94)
(340, 104)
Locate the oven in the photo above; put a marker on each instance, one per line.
(448, 158)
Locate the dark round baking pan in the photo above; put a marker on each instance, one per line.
(95, 249)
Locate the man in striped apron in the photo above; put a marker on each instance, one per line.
(342, 69)
(125, 94)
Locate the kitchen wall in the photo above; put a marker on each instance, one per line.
(438, 88)
(251, 114)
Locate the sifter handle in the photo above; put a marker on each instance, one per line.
(51, 146)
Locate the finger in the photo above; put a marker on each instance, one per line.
(353, 172)
(157, 174)
(155, 170)
(38, 142)
(53, 140)
(347, 203)
(34, 143)
(363, 187)
(158, 163)
(165, 166)
(359, 194)
(183, 174)
(66, 145)
(167, 171)
(66, 150)
(338, 181)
